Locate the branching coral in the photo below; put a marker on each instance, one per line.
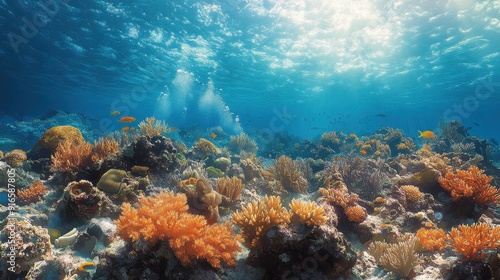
(203, 148)
(230, 187)
(242, 143)
(307, 213)
(74, 157)
(472, 241)
(152, 127)
(432, 239)
(32, 194)
(355, 213)
(346, 200)
(412, 193)
(257, 217)
(164, 217)
(15, 157)
(399, 257)
(287, 172)
(471, 184)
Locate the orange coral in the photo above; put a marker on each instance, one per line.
(470, 184)
(230, 187)
(472, 241)
(164, 217)
(256, 218)
(412, 193)
(71, 156)
(432, 239)
(307, 213)
(355, 213)
(32, 194)
(103, 148)
(190, 181)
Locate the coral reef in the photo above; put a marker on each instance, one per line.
(164, 218)
(307, 213)
(412, 193)
(432, 239)
(257, 217)
(473, 241)
(52, 138)
(15, 158)
(22, 245)
(33, 193)
(242, 143)
(400, 257)
(230, 188)
(110, 181)
(287, 172)
(471, 184)
(152, 127)
(203, 148)
(157, 153)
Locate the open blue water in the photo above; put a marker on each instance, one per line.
(258, 66)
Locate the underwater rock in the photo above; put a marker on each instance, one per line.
(471, 270)
(303, 252)
(138, 170)
(82, 201)
(30, 244)
(110, 181)
(235, 170)
(426, 180)
(84, 244)
(157, 153)
(49, 141)
(103, 229)
(251, 170)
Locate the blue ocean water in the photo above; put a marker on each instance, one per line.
(260, 66)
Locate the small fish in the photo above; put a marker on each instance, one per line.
(114, 113)
(125, 128)
(127, 119)
(380, 115)
(363, 152)
(213, 135)
(132, 128)
(86, 266)
(426, 134)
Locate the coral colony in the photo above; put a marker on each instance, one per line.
(155, 202)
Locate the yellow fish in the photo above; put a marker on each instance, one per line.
(426, 134)
(86, 266)
(114, 113)
(125, 128)
(213, 135)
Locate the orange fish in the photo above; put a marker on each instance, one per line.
(426, 134)
(363, 152)
(125, 128)
(132, 128)
(86, 266)
(213, 135)
(127, 119)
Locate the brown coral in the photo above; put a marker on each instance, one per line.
(470, 184)
(257, 217)
(472, 241)
(230, 187)
(412, 193)
(164, 217)
(103, 148)
(432, 239)
(355, 213)
(33, 193)
(15, 157)
(287, 172)
(307, 213)
(203, 148)
(51, 138)
(71, 157)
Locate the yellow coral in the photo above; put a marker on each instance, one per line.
(257, 217)
(412, 193)
(15, 157)
(203, 148)
(472, 241)
(307, 213)
(432, 239)
(164, 217)
(230, 187)
(152, 127)
(287, 172)
(471, 184)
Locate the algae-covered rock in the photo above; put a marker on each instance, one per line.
(49, 141)
(110, 181)
(222, 163)
(426, 180)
